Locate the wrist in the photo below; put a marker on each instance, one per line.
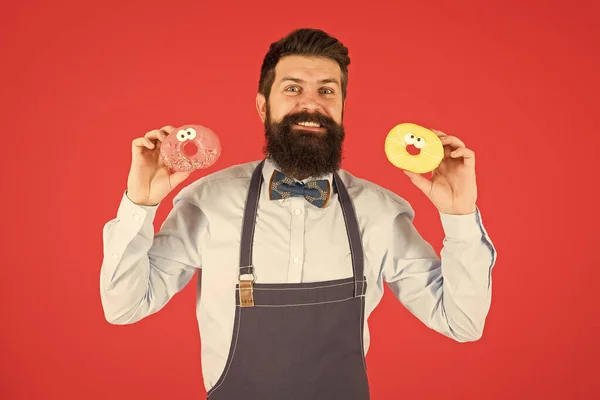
(138, 201)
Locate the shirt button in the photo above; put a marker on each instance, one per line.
(136, 217)
(297, 211)
(115, 256)
(296, 260)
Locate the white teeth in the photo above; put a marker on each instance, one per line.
(312, 124)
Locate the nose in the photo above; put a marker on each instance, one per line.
(310, 103)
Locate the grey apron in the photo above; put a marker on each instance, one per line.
(296, 341)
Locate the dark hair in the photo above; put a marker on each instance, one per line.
(308, 42)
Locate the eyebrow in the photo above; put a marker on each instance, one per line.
(321, 82)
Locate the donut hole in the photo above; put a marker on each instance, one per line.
(190, 149)
(413, 150)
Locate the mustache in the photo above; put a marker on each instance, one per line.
(306, 116)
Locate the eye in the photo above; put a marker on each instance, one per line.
(293, 87)
(190, 133)
(327, 91)
(409, 139)
(181, 136)
(419, 142)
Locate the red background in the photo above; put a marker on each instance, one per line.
(517, 81)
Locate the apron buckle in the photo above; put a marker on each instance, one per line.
(247, 291)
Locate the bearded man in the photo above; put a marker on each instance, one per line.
(292, 251)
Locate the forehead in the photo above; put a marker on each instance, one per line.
(307, 68)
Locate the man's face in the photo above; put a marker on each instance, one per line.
(303, 116)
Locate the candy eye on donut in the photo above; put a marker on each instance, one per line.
(409, 139)
(419, 142)
(190, 133)
(181, 135)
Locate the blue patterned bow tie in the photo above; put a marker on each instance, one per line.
(283, 187)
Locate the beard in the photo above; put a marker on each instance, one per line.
(302, 153)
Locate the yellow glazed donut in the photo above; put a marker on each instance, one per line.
(414, 148)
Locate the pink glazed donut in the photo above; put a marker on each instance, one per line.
(190, 147)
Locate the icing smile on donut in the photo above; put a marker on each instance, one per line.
(413, 150)
(190, 149)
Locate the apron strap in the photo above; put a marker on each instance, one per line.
(246, 267)
(249, 221)
(356, 249)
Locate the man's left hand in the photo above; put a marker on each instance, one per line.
(452, 187)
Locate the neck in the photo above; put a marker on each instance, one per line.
(296, 177)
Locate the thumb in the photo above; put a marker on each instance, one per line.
(419, 181)
(177, 177)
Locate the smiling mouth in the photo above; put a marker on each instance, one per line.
(309, 126)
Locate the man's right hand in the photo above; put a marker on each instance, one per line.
(150, 180)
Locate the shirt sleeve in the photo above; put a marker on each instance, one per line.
(141, 271)
(451, 295)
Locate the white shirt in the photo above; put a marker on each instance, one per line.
(294, 242)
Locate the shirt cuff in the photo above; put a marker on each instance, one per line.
(128, 209)
(462, 227)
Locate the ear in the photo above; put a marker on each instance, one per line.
(261, 106)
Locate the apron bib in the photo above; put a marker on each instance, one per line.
(296, 341)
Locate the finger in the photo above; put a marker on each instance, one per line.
(442, 135)
(420, 181)
(439, 133)
(452, 141)
(156, 134)
(178, 177)
(143, 142)
(447, 151)
(168, 129)
(467, 154)
(463, 152)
